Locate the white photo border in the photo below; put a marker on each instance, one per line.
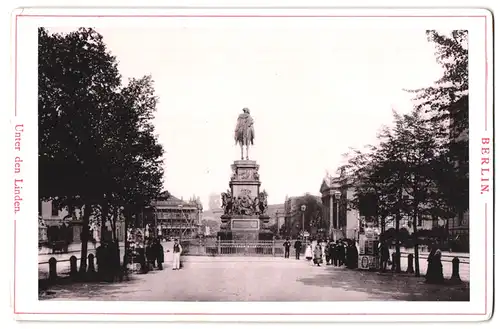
(25, 298)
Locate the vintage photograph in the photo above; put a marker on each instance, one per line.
(256, 163)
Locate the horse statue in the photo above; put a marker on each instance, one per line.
(244, 133)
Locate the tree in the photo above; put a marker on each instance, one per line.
(312, 215)
(77, 76)
(135, 155)
(453, 56)
(97, 148)
(399, 176)
(448, 104)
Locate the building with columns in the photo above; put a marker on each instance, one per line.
(341, 221)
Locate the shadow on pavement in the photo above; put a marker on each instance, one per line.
(388, 286)
(90, 289)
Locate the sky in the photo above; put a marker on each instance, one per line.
(313, 93)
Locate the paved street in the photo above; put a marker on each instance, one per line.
(63, 266)
(260, 279)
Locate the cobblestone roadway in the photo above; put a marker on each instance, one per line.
(260, 279)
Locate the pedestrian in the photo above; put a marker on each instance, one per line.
(355, 254)
(297, 246)
(101, 263)
(287, 245)
(328, 255)
(159, 254)
(330, 247)
(323, 250)
(352, 255)
(318, 254)
(334, 252)
(177, 251)
(435, 267)
(150, 255)
(341, 253)
(309, 253)
(384, 255)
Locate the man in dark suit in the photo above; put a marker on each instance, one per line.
(297, 246)
(287, 245)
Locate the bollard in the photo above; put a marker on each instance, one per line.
(73, 267)
(455, 275)
(410, 269)
(91, 268)
(52, 268)
(393, 265)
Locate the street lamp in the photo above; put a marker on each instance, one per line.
(337, 199)
(303, 210)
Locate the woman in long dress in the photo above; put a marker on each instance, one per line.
(308, 253)
(434, 266)
(318, 254)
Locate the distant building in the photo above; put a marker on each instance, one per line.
(341, 220)
(352, 219)
(50, 215)
(214, 202)
(173, 217)
(276, 213)
(212, 215)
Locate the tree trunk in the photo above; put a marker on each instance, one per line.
(415, 236)
(104, 218)
(398, 220)
(116, 259)
(125, 253)
(382, 232)
(85, 237)
(113, 224)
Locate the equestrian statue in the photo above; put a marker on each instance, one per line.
(244, 133)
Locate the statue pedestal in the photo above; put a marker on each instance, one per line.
(245, 228)
(245, 217)
(245, 179)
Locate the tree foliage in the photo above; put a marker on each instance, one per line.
(419, 168)
(312, 214)
(97, 148)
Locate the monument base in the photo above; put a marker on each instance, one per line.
(245, 228)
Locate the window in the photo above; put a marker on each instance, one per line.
(55, 210)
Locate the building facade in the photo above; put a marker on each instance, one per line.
(173, 217)
(277, 214)
(51, 216)
(341, 220)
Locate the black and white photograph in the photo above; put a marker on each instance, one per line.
(301, 157)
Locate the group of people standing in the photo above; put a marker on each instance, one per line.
(337, 253)
(154, 254)
(344, 253)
